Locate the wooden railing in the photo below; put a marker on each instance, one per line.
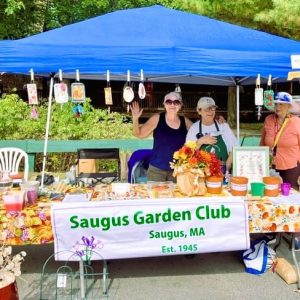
(32, 147)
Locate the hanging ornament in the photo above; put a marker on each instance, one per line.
(177, 88)
(269, 95)
(108, 93)
(61, 95)
(128, 94)
(142, 90)
(259, 97)
(78, 90)
(78, 111)
(32, 90)
(34, 114)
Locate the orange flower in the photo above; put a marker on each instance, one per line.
(265, 215)
(286, 228)
(277, 212)
(190, 158)
(291, 209)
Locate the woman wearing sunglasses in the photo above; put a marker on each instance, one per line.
(212, 135)
(281, 132)
(169, 132)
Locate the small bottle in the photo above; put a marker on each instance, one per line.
(73, 174)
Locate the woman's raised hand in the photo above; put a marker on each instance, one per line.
(135, 109)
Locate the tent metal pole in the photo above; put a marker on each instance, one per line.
(47, 130)
(238, 113)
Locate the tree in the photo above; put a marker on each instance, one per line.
(20, 18)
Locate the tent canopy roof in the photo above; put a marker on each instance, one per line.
(169, 45)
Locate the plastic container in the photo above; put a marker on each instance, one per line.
(30, 185)
(13, 201)
(272, 184)
(285, 188)
(238, 186)
(214, 184)
(257, 188)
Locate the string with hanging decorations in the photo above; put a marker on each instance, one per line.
(78, 96)
(32, 95)
(108, 92)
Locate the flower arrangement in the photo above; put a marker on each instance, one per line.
(190, 159)
(10, 265)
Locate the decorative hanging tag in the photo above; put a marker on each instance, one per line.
(259, 97)
(32, 90)
(32, 94)
(128, 94)
(78, 90)
(107, 92)
(61, 95)
(78, 111)
(259, 92)
(269, 96)
(34, 114)
(177, 88)
(142, 90)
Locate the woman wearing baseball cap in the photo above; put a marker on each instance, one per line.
(169, 132)
(211, 135)
(281, 132)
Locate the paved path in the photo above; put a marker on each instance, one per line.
(210, 276)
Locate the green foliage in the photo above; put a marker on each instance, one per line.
(16, 123)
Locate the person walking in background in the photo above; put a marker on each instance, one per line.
(281, 132)
(212, 135)
(169, 132)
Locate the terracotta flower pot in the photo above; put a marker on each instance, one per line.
(9, 292)
(272, 185)
(190, 184)
(238, 185)
(214, 184)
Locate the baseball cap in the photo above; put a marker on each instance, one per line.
(205, 102)
(173, 96)
(283, 97)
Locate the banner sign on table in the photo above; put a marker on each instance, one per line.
(149, 227)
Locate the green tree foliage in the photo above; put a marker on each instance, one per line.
(20, 18)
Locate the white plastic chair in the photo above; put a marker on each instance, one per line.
(10, 159)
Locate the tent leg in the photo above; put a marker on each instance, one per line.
(47, 130)
(238, 113)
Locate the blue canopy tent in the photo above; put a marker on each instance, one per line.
(169, 45)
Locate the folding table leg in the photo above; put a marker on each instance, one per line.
(104, 278)
(295, 260)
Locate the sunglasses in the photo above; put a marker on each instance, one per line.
(170, 102)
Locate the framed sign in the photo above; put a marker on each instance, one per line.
(251, 162)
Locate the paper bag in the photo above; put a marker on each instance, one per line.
(286, 271)
(86, 166)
